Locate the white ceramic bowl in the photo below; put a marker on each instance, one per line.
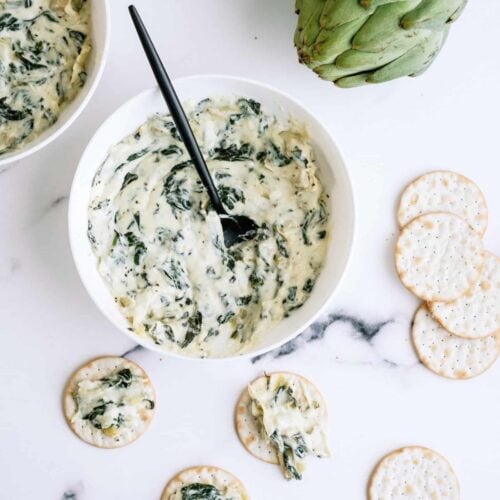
(95, 66)
(332, 172)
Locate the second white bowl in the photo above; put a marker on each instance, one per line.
(100, 33)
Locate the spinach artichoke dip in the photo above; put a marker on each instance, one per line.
(109, 402)
(204, 483)
(43, 48)
(159, 244)
(202, 491)
(282, 418)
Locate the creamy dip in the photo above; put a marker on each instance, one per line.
(43, 48)
(159, 244)
(203, 491)
(292, 418)
(115, 405)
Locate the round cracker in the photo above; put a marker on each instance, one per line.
(438, 257)
(247, 426)
(444, 191)
(204, 474)
(448, 355)
(477, 313)
(97, 369)
(413, 472)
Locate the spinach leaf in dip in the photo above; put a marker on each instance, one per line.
(200, 491)
(204, 483)
(159, 244)
(44, 45)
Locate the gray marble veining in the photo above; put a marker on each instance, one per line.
(132, 350)
(54, 204)
(363, 329)
(359, 330)
(12, 265)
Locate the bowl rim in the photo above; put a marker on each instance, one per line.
(328, 298)
(58, 131)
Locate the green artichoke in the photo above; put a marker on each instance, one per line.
(353, 42)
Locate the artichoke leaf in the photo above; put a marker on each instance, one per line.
(306, 9)
(338, 12)
(333, 72)
(433, 14)
(457, 13)
(413, 62)
(356, 80)
(330, 44)
(312, 27)
(432, 55)
(357, 61)
(363, 61)
(420, 57)
(376, 3)
(296, 38)
(384, 28)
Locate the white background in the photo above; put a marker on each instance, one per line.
(379, 397)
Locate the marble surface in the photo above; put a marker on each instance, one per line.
(359, 353)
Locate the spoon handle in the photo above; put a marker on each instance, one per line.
(175, 108)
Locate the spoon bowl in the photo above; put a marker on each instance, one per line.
(237, 228)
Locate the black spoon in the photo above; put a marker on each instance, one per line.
(236, 228)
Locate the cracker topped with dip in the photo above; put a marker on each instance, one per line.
(204, 483)
(281, 418)
(109, 402)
